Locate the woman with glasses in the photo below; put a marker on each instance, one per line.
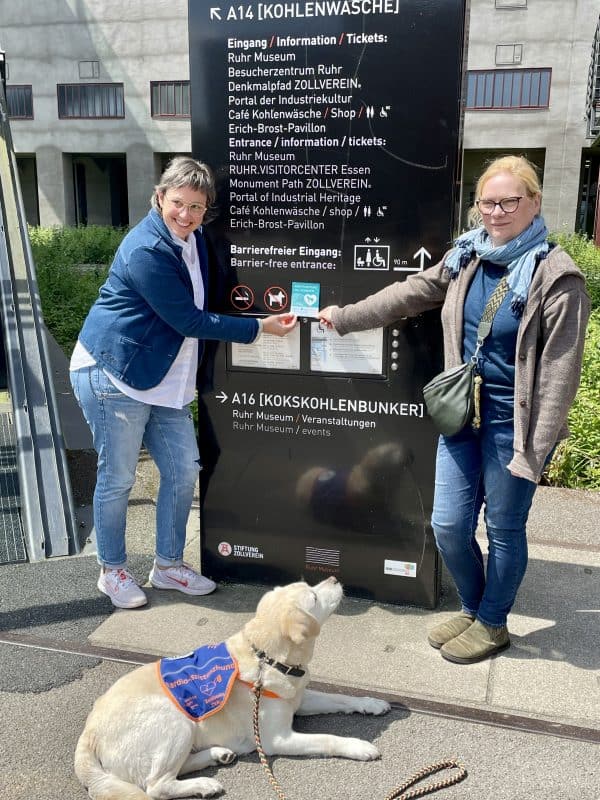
(133, 372)
(530, 364)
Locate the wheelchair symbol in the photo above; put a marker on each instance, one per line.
(372, 258)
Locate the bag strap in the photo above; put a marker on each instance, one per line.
(489, 312)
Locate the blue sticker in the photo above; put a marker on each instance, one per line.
(305, 299)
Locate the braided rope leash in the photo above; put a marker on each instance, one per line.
(259, 749)
(397, 794)
(401, 794)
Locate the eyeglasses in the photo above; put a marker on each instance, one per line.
(195, 209)
(508, 204)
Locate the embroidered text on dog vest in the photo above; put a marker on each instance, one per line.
(199, 683)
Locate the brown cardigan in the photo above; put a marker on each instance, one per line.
(550, 342)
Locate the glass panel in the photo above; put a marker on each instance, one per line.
(526, 92)
(506, 89)
(91, 101)
(518, 88)
(170, 100)
(515, 100)
(545, 88)
(61, 101)
(498, 87)
(19, 100)
(185, 108)
(534, 99)
(162, 106)
(471, 84)
(73, 102)
(489, 90)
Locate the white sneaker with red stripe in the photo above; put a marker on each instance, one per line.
(182, 578)
(121, 587)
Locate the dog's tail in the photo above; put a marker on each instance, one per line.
(101, 785)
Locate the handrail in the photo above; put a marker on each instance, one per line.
(47, 509)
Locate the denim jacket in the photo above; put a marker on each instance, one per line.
(146, 308)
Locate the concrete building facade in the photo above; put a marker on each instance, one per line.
(98, 97)
(512, 37)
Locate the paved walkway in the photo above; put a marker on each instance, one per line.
(526, 723)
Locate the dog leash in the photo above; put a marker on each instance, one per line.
(399, 793)
(257, 688)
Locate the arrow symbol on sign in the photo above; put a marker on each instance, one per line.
(215, 13)
(422, 254)
(221, 396)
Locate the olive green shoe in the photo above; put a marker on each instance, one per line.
(479, 641)
(441, 634)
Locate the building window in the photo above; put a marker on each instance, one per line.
(170, 98)
(509, 53)
(511, 3)
(508, 89)
(89, 69)
(19, 100)
(90, 101)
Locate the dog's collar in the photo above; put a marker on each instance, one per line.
(295, 670)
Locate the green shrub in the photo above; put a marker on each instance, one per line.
(71, 265)
(587, 257)
(576, 463)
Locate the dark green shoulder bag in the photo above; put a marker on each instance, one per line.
(452, 397)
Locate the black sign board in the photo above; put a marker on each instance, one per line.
(333, 127)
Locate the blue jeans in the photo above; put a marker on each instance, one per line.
(471, 469)
(120, 425)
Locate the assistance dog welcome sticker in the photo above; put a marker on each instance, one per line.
(305, 299)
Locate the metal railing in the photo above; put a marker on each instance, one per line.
(593, 93)
(46, 503)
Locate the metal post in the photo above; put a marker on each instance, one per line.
(3, 69)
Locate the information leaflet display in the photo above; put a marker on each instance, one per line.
(333, 129)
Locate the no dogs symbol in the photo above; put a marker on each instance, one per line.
(276, 298)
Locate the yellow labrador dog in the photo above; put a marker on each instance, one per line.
(175, 717)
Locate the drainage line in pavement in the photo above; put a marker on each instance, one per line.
(436, 708)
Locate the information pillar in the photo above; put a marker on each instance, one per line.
(333, 128)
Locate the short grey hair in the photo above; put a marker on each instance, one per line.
(184, 171)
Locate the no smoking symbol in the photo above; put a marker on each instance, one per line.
(242, 297)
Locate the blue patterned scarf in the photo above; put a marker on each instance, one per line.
(519, 256)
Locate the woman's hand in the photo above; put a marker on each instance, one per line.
(325, 316)
(279, 324)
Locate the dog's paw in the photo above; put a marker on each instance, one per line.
(371, 705)
(208, 787)
(222, 755)
(360, 750)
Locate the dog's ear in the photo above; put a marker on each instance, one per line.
(298, 625)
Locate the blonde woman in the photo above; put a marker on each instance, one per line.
(530, 364)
